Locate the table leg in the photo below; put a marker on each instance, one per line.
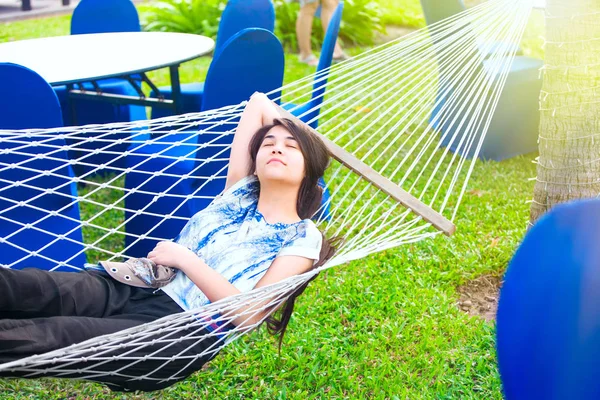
(71, 105)
(175, 88)
(26, 5)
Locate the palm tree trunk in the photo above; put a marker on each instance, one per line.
(569, 139)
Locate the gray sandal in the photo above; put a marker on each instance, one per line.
(140, 272)
(310, 60)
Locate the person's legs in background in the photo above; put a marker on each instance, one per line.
(327, 9)
(304, 30)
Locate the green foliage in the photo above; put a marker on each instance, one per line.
(200, 17)
(361, 21)
(285, 24)
(403, 13)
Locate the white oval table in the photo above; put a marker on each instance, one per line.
(77, 59)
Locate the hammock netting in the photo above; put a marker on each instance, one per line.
(119, 188)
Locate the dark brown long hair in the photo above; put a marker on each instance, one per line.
(316, 161)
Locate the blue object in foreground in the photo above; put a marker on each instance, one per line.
(548, 327)
(27, 101)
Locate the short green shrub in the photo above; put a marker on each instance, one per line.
(285, 24)
(406, 13)
(199, 17)
(361, 21)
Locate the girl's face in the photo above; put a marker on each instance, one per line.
(279, 158)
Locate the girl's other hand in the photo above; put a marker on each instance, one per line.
(171, 254)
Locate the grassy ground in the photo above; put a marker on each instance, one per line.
(386, 326)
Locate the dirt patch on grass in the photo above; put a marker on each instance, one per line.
(479, 297)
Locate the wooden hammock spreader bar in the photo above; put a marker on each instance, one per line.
(390, 188)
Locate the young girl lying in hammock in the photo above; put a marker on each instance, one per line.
(256, 233)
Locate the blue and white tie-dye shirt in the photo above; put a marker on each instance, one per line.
(232, 237)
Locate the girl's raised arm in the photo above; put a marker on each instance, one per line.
(259, 111)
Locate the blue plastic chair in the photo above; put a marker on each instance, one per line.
(548, 323)
(252, 60)
(241, 14)
(514, 126)
(21, 91)
(237, 15)
(108, 16)
(320, 81)
(102, 16)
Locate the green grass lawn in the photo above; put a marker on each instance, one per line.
(386, 326)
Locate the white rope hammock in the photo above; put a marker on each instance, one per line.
(377, 108)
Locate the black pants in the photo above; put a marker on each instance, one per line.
(41, 311)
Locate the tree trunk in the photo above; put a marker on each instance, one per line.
(569, 140)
